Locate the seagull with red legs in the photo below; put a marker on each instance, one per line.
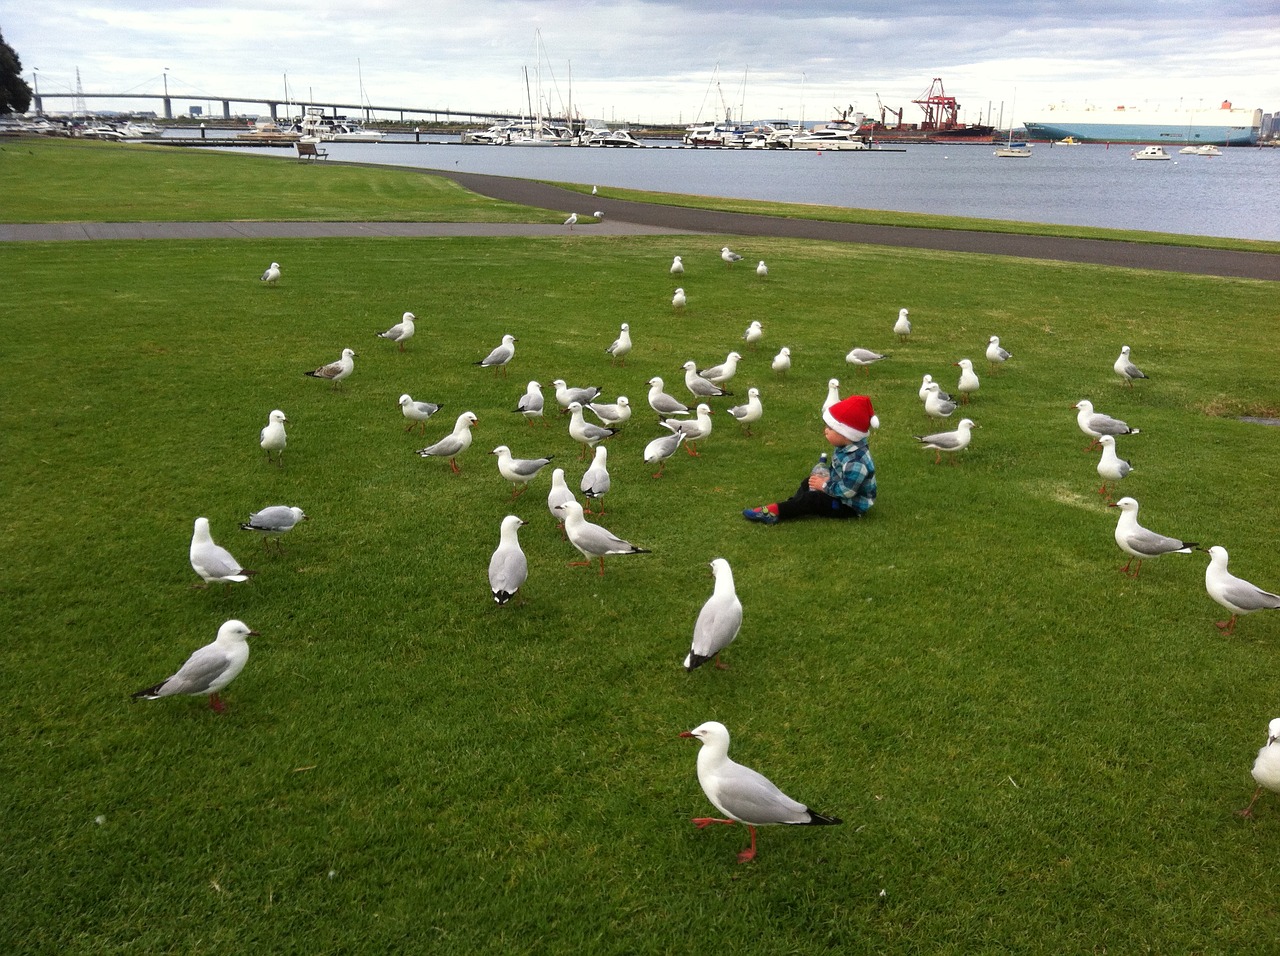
(1235, 594)
(208, 670)
(592, 540)
(1137, 542)
(1266, 768)
(718, 622)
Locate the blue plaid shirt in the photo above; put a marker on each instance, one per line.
(853, 477)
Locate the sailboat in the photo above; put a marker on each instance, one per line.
(1012, 150)
(539, 132)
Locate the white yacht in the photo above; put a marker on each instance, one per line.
(1150, 152)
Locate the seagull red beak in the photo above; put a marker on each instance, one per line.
(686, 734)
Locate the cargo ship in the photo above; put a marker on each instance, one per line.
(1224, 126)
(941, 123)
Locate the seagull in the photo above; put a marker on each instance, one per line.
(678, 300)
(833, 394)
(272, 437)
(571, 221)
(500, 356)
(598, 214)
(968, 380)
(621, 345)
(508, 568)
(718, 621)
(615, 413)
(661, 402)
(531, 403)
(1112, 467)
(951, 442)
(213, 563)
(902, 328)
(592, 540)
(596, 483)
(417, 413)
(742, 794)
(750, 412)
(995, 354)
(1137, 542)
(698, 386)
(401, 332)
(272, 274)
(729, 256)
(566, 396)
(924, 389)
(864, 358)
(1095, 424)
(593, 190)
(693, 430)
(935, 406)
(677, 266)
(719, 374)
(558, 495)
(335, 371)
(782, 361)
(1266, 768)
(274, 521)
(208, 670)
(453, 444)
(589, 434)
(518, 471)
(1235, 594)
(660, 449)
(1126, 369)
(762, 270)
(753, 334)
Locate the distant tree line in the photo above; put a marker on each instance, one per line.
(15, 95)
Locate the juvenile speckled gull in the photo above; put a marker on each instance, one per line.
(660, 449)
(518, 471)
(782, 361)
(508, 567)
(335, 371)
(596, 481)
(1235, 594)
(208, 670)
(752, 411)
(453, 444)
(902, 327)
(1266, 767)
(661, 402)
(1126, 369)
(531, 403)
(612, 413)
(950, 442)
(566, 396)
(417, 413)
(1095, 424)
(698, 386)
(274, 521)
(968, 380)
(401, 332)
(742, 794)
(693, 430)
(1137, 542)
(212, 562)
(272, 437)
(592, 540)
(500, 356)
(719, 374)
(621, 345)
(272, 274)
(588, 434)
(729, 256)
(719, 620)
(1111, 467)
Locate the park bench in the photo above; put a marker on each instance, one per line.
(311, 151)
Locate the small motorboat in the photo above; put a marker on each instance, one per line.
(1150, 152)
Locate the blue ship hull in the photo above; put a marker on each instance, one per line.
(1164, 134)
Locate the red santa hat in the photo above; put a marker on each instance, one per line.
(852, 417)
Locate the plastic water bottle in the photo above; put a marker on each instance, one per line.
(822, 469)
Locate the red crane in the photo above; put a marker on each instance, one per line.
(940, 111)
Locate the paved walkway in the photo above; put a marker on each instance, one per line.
(624, 218)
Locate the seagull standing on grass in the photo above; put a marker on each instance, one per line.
(677, 266)
(209, 669)
(752, 411)
(518, 471)
(1235, 594)
(1111, 467)
(558, 495)
(566, 396)
(693, 430)
(678, 299)
(335, 371)
(753, 334)
(621, 345)
(401, 332)
(729, 256)
(272, 275)
(272, 437)
(588, 434)
(531, 403)
(950, 442)
(718, 622)
(742, 794)
(833, 394)
(762, 270)
(660, 449)
(500, 356)
(661, 402)
(612, 413)
(782, 361)
(453, 444)
(1266, 768)
(1125, 368)
(864, 358)
(596, 482)
(968, 380)
(273, 522)
(592, 540)
(417, 413)
(902, 328)
(1137, 542)
(719, 374)
(508, 568)
(1095, 424)
(935, 406)
(996, 356)
(214, 563)
(698, 386)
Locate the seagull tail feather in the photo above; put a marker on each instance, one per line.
(821, 820)
(148, 693)
(695, 660)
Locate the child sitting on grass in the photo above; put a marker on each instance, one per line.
(850, 488)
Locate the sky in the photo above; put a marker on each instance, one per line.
(667, 61)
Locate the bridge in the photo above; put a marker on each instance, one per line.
(273, 105)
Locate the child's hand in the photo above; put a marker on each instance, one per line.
(817, 482)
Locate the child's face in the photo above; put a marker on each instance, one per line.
(835, 437)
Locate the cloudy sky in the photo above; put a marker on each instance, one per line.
(662, 61)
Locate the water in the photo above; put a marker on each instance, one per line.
(1227, 195)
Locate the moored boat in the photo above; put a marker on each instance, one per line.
(1224, 126)
(1150, 152)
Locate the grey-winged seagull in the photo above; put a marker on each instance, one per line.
(531, 403)
(1111, 467)
(752, 411)
(719, 374)
(500, 356)
(596, 481)
(1235, 594)
(335, 371)
(508, 568)
(454, 443)
(661, 402)
(1125, 368)
(592, 540)
(612, 413)
(996, 355)
(208, 670)
(950, 442)
(588, 434)
(571, 221)
(762, 270)
(272, 275)
(719, 620)
(518, 471)
(753, 333)
(968, 383)
(782, 361)
(621, 345)
(273, 521)
(864, 358)
(935, 406)
(417, 413)
(1095, 424)
(558, 495)
(1137, 542)
(678, 299)
(660, 449)
(693, 429)
(698, 386)
(212, 562)
(902, 327)
(1266, 767)
(401, 332)
(729, 256)
(677, 266)
(566, 396)
(272, 437)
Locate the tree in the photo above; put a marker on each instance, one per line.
(15, 95)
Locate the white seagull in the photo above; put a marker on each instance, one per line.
(1111, 467)
(571, 221)
(417, 413)
(753, 334)
(508, 568)
(995, 354)
(782, 361)
(621, 345)
(214, 563)
(752, 411)
(698, 386)
(968, 380)
(272, 437)
(693, 430)
(677, 266)
(1235, 594)
(935, 406)
(762, 270)
(558, 495)
(661, 402)
(531, 403)
(1095, 424)
(272, 274)
(500, 356)
(518, 471)
(719, 374)
(719, 620)
(208, 670)
(1125, 368)
(950, 442)
(335, 371)
(401, 332)
(660, 449)
(596, 482)
(742, 794)
(1137, 542)
(833, 394)
(588, 434)
(924, 389)
(864, 358)
(902, 328)
(678, 299)
(612, 413)
(273, 521)
(1266, 767)
(453, 444)
(566, 396)
(729, 256)
(592, 540)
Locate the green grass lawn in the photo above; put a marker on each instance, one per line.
(1030, 751)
